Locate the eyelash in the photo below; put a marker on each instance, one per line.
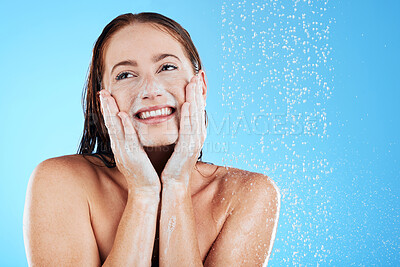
(169, 65)
(122, 74)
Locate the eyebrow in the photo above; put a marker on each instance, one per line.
(133, 63)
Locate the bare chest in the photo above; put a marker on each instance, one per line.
(108, 204)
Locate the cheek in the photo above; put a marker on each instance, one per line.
(122, 101)
(124, 93)
(176, 85)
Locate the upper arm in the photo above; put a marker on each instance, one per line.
(57, 228)
(247, 237)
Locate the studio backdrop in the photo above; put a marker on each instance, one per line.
(306, 92)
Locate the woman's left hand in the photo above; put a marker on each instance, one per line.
(192, 134)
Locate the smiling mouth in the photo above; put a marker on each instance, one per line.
(155, 116)
(158, 113)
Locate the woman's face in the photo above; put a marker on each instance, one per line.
(146, 68)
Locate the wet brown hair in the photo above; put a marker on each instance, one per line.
(95, 139)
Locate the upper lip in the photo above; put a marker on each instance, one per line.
(152, 108)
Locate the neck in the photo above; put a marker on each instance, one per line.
(159, 156)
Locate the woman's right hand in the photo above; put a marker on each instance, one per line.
(130, 157)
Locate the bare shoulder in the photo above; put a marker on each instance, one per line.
(74, 171)
(249, 185)
(248, 233)
(57, 203)
(69, 164)
(58, 179)
(66, 177)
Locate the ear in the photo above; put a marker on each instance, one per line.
(203, 76)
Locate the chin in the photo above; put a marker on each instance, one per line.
(162, 134)
(162, 139)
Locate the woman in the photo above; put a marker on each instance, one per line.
(144, 198)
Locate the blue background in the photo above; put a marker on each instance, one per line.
(309, 94)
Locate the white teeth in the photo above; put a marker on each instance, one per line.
(153, 113)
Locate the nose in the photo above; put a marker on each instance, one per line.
(151, 89)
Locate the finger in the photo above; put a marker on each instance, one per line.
(194, 139)
(183, 128)
(185, 119)
(190, 89)
(190, 97)
(201, 106)
(194, 113)
(188, 135)
(112, 121)
(200, 99)
(198, 138)
(131, 138)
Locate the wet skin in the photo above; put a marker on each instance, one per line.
(208, 215)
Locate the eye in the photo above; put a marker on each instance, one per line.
(123, 75)
(168, 67)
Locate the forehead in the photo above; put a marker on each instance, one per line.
(140, 42)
